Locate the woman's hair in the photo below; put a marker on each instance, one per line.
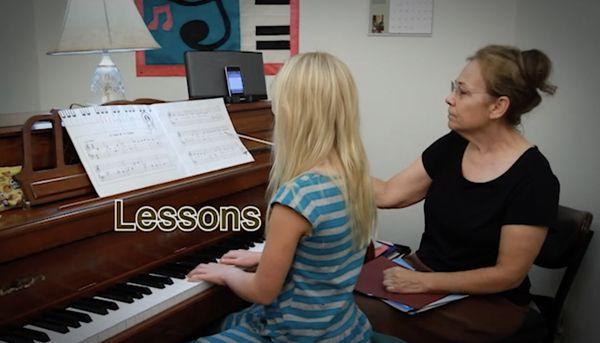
(508, 71)
(315, 104)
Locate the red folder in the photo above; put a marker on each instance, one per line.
(370, 282)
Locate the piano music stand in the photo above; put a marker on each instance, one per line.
(48, 185)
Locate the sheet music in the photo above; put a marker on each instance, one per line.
(203, 134)
(129, 147)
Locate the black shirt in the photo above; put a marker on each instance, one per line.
(463, 219)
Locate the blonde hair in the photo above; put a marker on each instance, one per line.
(316, 117)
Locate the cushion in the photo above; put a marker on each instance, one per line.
(11, 194)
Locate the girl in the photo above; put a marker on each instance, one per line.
(321, 215)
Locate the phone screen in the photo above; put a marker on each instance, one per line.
(234, 80)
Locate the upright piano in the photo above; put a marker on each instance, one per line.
(67, 276)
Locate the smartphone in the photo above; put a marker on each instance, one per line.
(235, 83)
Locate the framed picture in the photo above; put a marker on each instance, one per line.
(267, 26)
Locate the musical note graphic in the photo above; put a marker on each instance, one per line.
(195, 31)
(156, 12)
(133, 167)
(214, 153)
(202, 136)
(184, 118)
(101, 149)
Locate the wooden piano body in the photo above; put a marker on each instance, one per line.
(55, 253)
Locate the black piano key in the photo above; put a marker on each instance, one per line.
(272, 45)
(12, 338)
(187, 264)
(204, 257)
(139, 291)
(237, 244)
(60, 319)
(51, 326)
(179, 267)
(79, 316)
(271, 30)
(107, 304)
(149, 280)
(86, 306)
(32, 334)
(128, 292)
(169, 272)
(163, 279)
(271, 2)
(196, 260)
(116, 295)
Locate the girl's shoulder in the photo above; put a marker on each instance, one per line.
(310, 185)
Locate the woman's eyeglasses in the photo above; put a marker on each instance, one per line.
(458, 89)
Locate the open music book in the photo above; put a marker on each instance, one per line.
(370, 282)
(128, 147)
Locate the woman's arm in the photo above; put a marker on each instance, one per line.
(403, 189)
(286, 227)
(519, 246)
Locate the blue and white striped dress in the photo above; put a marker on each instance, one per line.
(316, 302)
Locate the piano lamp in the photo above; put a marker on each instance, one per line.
(102, 27)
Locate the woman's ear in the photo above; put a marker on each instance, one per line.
(499, 107)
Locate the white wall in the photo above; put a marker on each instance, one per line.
(402, 81)
(19, 83)
(566, 129)
(402, 84)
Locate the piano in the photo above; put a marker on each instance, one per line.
(67, 276)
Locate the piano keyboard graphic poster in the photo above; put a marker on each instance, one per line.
(267, 26)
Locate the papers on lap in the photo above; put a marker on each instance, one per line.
(128, 147)
(370, 282)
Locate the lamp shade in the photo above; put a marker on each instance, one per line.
(94, 26)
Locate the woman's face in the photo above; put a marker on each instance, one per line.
(468, 102)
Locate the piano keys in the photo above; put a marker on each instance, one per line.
(266, 26)
(67, 276)
(124, 305)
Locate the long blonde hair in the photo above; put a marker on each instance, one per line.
(316, 117)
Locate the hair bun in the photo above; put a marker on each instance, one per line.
(536, 69)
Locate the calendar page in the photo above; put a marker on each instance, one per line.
(401, 17)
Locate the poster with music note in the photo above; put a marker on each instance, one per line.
(267, 26)
(124, 148)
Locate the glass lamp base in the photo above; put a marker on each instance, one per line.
(107, 82)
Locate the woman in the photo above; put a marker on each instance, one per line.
(316, 239)
(490, 197)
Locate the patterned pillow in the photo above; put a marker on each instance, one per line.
(11, 194)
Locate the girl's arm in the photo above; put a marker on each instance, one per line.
(403, 189)
(519, 246)
(285, 229)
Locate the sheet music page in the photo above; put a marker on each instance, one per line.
(122, 148)
(202, 134)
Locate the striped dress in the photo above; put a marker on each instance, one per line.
(316, 302)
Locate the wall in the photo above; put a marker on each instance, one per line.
(19, 85)
(402, 81)
(566, 128)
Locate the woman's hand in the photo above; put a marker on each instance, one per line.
(401, 280)
(241, 258)
(211, 272)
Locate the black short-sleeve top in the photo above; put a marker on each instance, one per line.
(463, 219)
